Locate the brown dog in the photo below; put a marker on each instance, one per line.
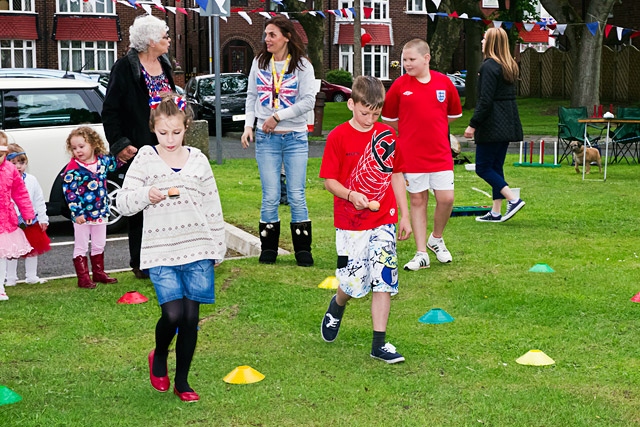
(593, 155)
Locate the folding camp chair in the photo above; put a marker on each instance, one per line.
(626, 136)
(570, 130)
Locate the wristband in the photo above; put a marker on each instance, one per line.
(349, 195)
(276, 119)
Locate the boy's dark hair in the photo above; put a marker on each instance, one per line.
(368, 91)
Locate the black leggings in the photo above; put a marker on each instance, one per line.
(184, 315)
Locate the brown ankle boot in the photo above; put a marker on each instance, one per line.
(97, 267)
(82, 271)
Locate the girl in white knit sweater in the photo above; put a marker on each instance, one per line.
(183, 235)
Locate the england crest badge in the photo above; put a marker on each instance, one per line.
(441, 95)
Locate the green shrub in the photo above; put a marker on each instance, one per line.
(339, 77)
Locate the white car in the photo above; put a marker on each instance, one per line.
(39, 114)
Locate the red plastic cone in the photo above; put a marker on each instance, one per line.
(132, 297)
(636, 297)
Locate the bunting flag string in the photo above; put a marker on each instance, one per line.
(350, 13)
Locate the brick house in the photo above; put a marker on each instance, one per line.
(92, 34)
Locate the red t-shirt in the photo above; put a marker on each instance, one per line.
(422, 111)
(362, 162)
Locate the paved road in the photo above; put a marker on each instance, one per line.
(232, 148)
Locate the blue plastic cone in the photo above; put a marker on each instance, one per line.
(436, 316)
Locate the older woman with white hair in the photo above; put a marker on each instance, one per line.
(136, 78)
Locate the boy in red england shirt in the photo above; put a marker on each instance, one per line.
(420, 105)
(359, 168)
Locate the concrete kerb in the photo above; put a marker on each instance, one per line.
(245, 243)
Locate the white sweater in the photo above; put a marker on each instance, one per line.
(37, 199)
(175, 231)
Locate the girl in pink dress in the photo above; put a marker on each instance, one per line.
(13, 243)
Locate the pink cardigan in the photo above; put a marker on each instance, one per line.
(12, 189)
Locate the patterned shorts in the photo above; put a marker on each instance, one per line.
(367, 260)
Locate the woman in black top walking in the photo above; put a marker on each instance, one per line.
(496, 122)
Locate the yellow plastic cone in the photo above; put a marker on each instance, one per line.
(535, 358)
(243, 375)
(330, 282)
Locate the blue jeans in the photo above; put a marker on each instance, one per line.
(272, 150)
(489, 166)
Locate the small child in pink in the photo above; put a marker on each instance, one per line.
(36, 233)
(13, 243)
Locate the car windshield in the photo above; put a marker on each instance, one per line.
(228, 85)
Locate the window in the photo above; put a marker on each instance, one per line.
(416, 6)
(86, 56)
(375, 60)
(490, 4)
(17, 53)
(91, 6)
(20, 5)
(380, 8)
(27, 109)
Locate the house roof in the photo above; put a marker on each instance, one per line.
(86, 28)
(301, 32)
(536, 35)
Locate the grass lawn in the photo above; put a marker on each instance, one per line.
(79, 359)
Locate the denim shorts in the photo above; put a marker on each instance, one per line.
(194, 281)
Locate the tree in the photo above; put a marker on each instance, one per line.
(584, 49)
(357, 45)
(314, 27)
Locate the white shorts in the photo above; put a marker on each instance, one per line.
(419, 182)
(367, 260)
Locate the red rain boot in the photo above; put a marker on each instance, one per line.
(97, 266)
(82, 271)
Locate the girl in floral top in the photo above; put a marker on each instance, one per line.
(85, 190)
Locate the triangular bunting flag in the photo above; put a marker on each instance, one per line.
(528, 26)
(437, 3)
(634, 35)
(353, 12)
(285, 14)
(245, 16)
(171, 9)
(593, 27)
(220, 4)
(202, 3)
(265, 14)
(454, 14)
(619, 33)
(519, 26)
(487, 21)
(321, 13)
(497, 24)
(147, 8)
(367, 12)
(507, 25)
(182, 10)
(561, 28)
(607, 29)
(432, 16)
(464, 16)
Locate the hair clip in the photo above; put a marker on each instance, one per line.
(180, 103)
(12, 156)
(154, 102)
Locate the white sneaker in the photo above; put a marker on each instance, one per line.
(10, 283)
(36, 280)
(438, 247)
(4, 297)
(419, 260)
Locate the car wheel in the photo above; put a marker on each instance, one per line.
(339, 97)
(117, 221)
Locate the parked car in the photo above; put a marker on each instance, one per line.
(458, 82)
(56, 74)
(200, 94)
(39, 114)
(334, 92)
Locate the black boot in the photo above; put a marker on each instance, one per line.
(269, 238)
(301, 236)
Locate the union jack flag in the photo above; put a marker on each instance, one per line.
(288, 89)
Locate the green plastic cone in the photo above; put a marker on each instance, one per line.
(8, 396)
(541, 268)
